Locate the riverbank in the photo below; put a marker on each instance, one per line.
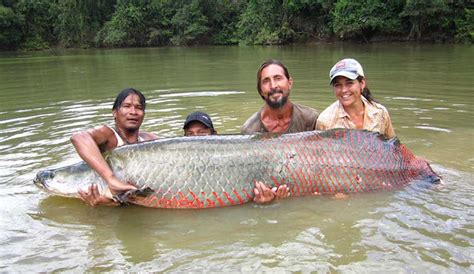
(39, 24)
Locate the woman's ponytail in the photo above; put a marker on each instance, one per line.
(366, 92)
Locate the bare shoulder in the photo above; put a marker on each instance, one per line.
(102, 135)
(102, 132)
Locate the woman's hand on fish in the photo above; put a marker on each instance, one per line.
(93, 198)
(281, 192)
(265, 194)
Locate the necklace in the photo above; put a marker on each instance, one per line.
(123, 138)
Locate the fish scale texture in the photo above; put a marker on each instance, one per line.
(213, 171)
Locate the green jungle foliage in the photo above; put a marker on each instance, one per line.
(41, 24)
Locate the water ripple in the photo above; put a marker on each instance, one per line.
(202, 93)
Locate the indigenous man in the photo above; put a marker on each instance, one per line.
(128, 111)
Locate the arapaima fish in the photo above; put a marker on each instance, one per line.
(220, 170)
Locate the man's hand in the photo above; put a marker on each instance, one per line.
(265, 194)
(93, 198)
(116, 186)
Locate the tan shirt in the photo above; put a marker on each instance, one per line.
(303, 119)
(376, 118)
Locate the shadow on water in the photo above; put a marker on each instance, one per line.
(130, 230)
(246, 237)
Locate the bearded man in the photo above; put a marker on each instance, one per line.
(278, 114)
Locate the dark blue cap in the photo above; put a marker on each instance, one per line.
(199, 117)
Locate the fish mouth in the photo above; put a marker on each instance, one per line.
(435, 179)
(42, 177)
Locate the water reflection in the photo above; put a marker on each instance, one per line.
(405, 229)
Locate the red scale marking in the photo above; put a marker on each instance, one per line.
(183, 201)
(231, 201)
(370, 174)
(275, 181)
(303, 181)
(151, 200)
(241, 201)
(295, 183)
(196, 199)
(372, 179)
(332, 188)
(314, 162)
(330, 170)
(320, 175)
(304, 158)
(249, 197)
(221, 203)
(344, 176)
(210, 203)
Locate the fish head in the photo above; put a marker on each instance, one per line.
(43, 177)
(53, 182)
(67, 181)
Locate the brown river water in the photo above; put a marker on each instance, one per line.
(47, 96)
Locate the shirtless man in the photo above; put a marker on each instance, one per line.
(128, 111)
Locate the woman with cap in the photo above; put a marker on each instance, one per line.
(355, 107)
(198, 124)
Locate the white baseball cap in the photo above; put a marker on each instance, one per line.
(348, 67)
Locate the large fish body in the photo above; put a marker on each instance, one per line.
(214, 171)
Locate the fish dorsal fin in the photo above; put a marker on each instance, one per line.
(392, 141)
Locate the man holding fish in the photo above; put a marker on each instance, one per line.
(128, 111)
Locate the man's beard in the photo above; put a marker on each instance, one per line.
(276, 104)
(132, 130)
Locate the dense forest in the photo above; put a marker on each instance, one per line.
(42, 24)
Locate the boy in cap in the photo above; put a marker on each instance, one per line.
(198, 124)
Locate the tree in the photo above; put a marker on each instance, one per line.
(223, 16)
(352, 19)
(79, 20)
(10, 28)
(126, 28)
(265, 22)
(189, 24)
(423, 15)
(38, 23)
